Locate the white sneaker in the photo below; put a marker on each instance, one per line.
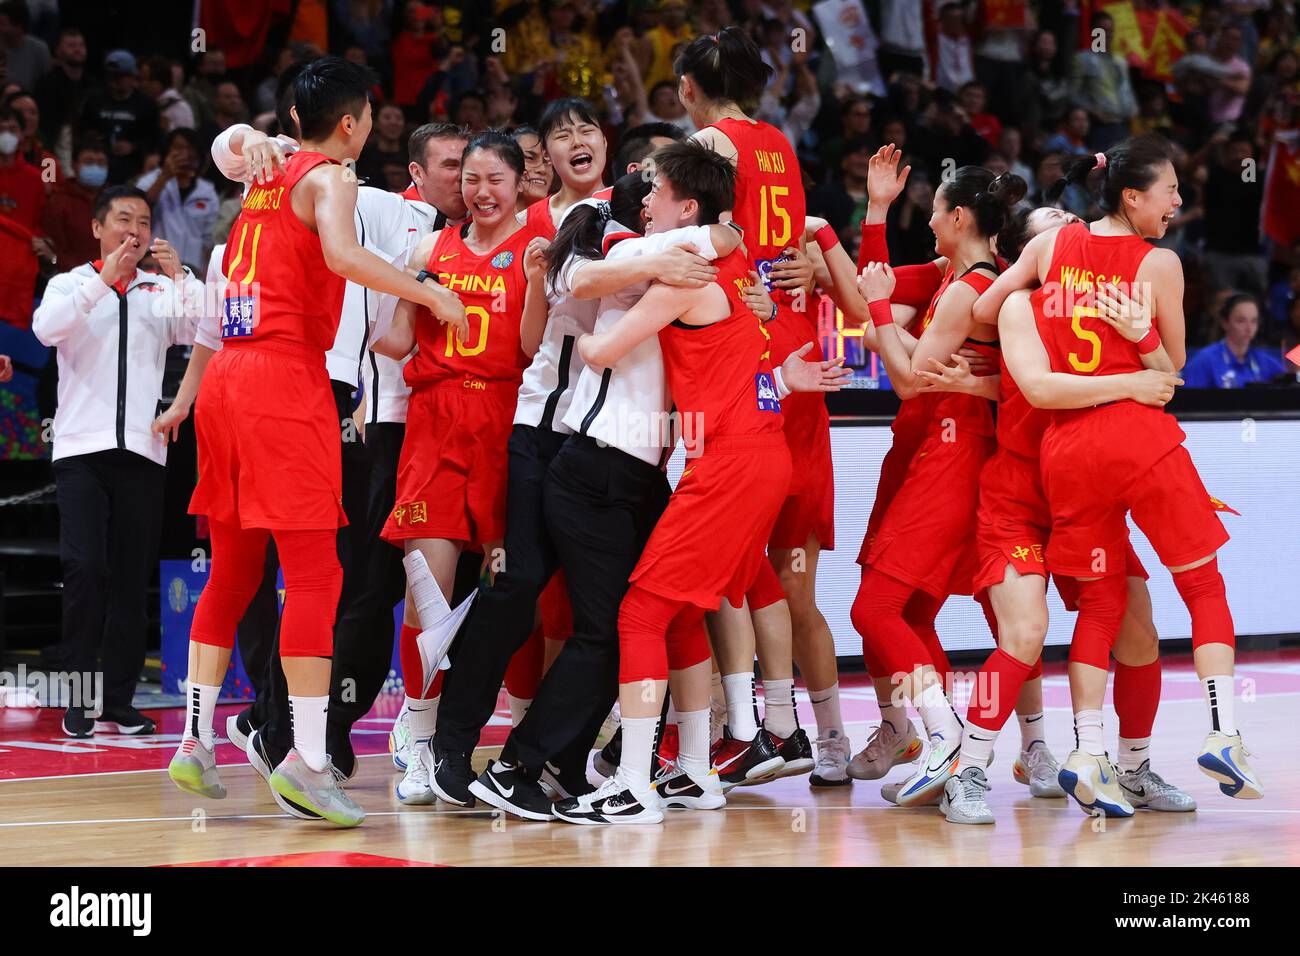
(612, 803)
(399, 739)
(1145, 788)
(1094, 784)
(1224, 758)
(683, 791)
(927, 784)
(885, 748)
(1038, 769)
(832, 768)
(413, 789)
(964, 797)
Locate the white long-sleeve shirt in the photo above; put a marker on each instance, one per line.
(112, 350)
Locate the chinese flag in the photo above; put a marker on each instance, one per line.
(1280, 213)
(240, 28)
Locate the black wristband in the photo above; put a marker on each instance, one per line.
(425, 274)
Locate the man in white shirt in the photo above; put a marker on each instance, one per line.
(112, 325)
(185, 204)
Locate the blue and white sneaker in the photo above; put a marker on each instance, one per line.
(926, 785)
(1094, 785)
(1224, 758)
(399, 740)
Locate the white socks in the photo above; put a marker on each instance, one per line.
(717, 708)
(893, 715)
(977, 746)
(518, 707)
(1132, 751)
(1219, 693)
(308, 715)
(638, 749)
(936, 713)
(693, 742)
(422, 715)
(203, 703)
(778, 707)
(826, 710)
(1088, 734)
(739, 689)
(1031, 731)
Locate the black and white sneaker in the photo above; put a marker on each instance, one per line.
(450, 775)
(125, 720)
(607, 761)
(503, 786)
(77, 725)
(264, 762)
(680, 791)
(796, 751)
(611, 804)
(565, 784)
(239, 727)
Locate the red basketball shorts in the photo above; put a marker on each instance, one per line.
(809, 507)
(1118, 460)
(711, 539)
(268, 441)
(452, 474)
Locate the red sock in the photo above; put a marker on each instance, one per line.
(1203, 592)
(999, 684)
(1137, 698)
(412, 668)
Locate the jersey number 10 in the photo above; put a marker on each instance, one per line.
(461, 348)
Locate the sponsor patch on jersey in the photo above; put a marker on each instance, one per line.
(238, 316)
(764, 269)
(502, 260)
(765, 389)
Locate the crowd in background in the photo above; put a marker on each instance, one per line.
(1015, 86)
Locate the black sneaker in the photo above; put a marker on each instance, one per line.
(611, 804)
(240, 727)
(745, 762)
(264, 761)
(566, 784)
(450, 775)
(796, 751)
(503, 786)
(679, 790)
(77, 725)
(125, 720)
(610, 755)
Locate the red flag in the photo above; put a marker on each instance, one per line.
(1279, 219)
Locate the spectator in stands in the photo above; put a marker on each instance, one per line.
(184, 203)
(62, 91)
(1051, 167)
(1071, 138)
(471, 112)
(415, 52)
(22, 192)
(855, 124)
(67, 216)
(907, 225)
(156, 81)
(663, 37)
(201, 91)
(125, 118)
(387, 143)
(842, 201)
(974, 100)
(264, 95)
(1044, 93)
(954, 63)
(1011, 145)
(1099, 82)
(1228, 95)
(1153, 113)
(26, 57)
(108, 466)
(948, 140)
(1234, 190)
(1233, 362)
(32, 145)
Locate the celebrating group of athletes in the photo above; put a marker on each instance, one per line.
(546, 352)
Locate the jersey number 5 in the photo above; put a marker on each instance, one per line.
(1086, 335)
(769, 196)
(459, 347)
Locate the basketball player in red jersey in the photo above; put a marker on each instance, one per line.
(1012, 529)
(717, 73)
(451, 480)
(1102, 463)
(291, 251)
(909, 556)
(716, 359)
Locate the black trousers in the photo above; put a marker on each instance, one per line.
(600, 505)
(502, 617)
(109, 524)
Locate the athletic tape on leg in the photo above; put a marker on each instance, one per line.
(438, 622)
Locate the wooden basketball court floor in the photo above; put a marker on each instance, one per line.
(52, 813)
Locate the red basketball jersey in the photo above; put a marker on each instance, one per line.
(1077, 340)
(720, 375)
(1020, 425)
(492, 288)
(280, 289)
(537, 217)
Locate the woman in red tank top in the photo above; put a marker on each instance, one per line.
(717, 73)
(918, 547)
(1119, 458)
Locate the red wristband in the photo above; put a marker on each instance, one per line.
(1149, 342)
(881, 314)
(826, 238)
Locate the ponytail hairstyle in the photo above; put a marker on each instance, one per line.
(991, 198)
(582, 232)
(726, 66)
(503, 144)
(1133, 164)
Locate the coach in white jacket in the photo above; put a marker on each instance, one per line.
(112, 324)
